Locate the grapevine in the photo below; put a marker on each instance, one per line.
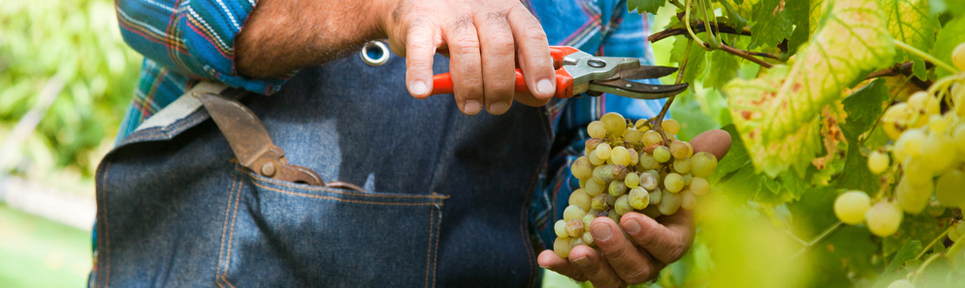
(849, 155)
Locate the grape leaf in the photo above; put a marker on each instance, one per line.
(649, 6)
(776, 114)
(907, 252)
(816, 12)
(725, 67)
(863, 108)
(950, 36)
(772, 24)
(799, 16)
(909, 21)
(957, 7)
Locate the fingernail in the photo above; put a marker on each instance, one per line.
(472, 107)
(544, 86)
(419, 88)
(582, 261)
(632, 227)
(601, 232)
(544, 266)
(498, 108)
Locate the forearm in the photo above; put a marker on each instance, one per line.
(281, 36)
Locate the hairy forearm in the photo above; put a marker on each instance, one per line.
(281, 36)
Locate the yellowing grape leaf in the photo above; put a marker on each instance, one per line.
(911, 22)
(776, 114)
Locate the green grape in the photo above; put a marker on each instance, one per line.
(703, 164)
(593, 159)
(573, 212)
(642, 125)
(894, 120)
(574, 228)
(681, 165)
(699, 186)
(615, 123)
(673, 182)
(620, 156)
(592, 143)
(884, 218)
(959, 136)
(687, 178)
(647, 162)
(901, 283)
(909, 144)
(950, 189)
(562, 247)
(670, 203)
(681, 149)
(560, 229)
(634, 157)
(582, 168)
(602, 151)
(851, 206)
(913, 197)
(958, 57)
(917, 171)
(638, 198)
(878, 162)
(580, 198)
(609, 172)
(687, 200)
(655, 197)
(633, 135)
(610, 200)
(609, 161)
(939, 152)
(588, 239)
(632, 180)
(594, 188)
(652, 211)
(661, 154)
(670, 126)
(648, 181)
(622, 205)
(960, 228)
(576, 242)
(941, 123)
(613, 215)
(651, 137)
(596, 129)
(583, 183)
(617, 188)
(589, 219)
(954, 235)
(599, 202)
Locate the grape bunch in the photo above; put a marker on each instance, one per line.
(627, 167)
(924, 164)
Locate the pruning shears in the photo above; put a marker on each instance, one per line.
(580, 72)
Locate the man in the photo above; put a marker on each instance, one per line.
(448, 197)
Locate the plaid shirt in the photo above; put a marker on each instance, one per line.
(184, 41)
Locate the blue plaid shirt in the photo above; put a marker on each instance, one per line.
(184, 41)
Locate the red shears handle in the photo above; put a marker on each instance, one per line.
(442, 83)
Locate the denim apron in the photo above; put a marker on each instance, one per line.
(446, 200)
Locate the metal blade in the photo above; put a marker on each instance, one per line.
(245, 133)
(645, 72)
(637, 90)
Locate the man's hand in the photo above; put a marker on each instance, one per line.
(484, 39)
(662, 241)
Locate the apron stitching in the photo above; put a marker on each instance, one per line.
(231, 235)
(107, 241)
(224, 230)
(281, 183)
(436, 252)
(337, 199)
(429, 247)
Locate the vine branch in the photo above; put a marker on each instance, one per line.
(926, 56)
(698, 26)
(745, 55)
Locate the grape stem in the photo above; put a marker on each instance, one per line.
(926, 56)
(817, 240)
(690, 30)
(941, 236)
(698, 26)
(675, 3)
(658, 121)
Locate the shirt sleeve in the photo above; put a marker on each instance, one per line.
(194, 38)
(625, 35)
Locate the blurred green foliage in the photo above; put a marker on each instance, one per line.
(77, 41)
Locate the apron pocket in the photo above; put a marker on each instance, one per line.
(284, 234)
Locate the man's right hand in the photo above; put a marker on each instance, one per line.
(484, 40)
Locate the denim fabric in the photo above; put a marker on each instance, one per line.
(449, 207)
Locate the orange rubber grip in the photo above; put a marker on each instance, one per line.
(442, 84)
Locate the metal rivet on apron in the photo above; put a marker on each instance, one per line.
(375, 53)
